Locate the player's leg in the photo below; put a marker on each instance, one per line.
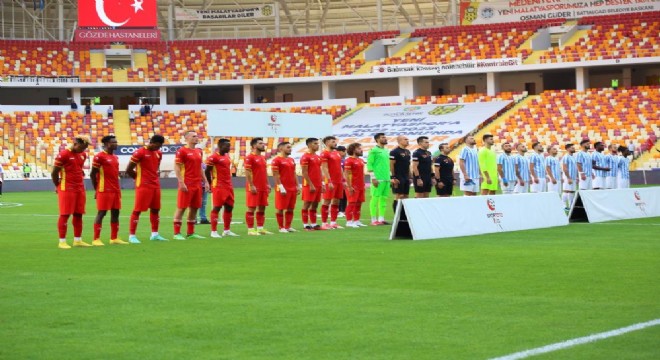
(288, 215)
(182, 203)
(261, 214)
(79, 199)
(98, 222)
(279, 211)
(202, 209)
(216, 201)
(193, 208)
(63, 220)
(227, 215)
(304, 213)
(384, 189)
(251, 208)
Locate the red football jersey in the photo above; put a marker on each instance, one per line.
(221, 170)
(313, 163)
(108, 176)
(257, 164)
(286, 167)
(191, 159)
(333, 159)
(147, 162)
(356, 166)
(71, 176)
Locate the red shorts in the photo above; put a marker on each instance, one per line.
(108, 200)
(223, 197)
(147, 198)
(358, 196)
(71, 202)
(336, 193)
(309, 196)
(286, 201)
(190, 199)
(258, 199)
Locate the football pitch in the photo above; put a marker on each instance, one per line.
(340, 294)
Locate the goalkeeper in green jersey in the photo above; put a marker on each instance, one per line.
(378, 166)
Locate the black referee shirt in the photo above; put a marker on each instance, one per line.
(401, 159)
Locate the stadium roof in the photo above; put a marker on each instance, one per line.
(20, 20)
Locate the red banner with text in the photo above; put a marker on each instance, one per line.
(117, 13)
(117, 35)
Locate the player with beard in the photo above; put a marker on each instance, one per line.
(188, 170)
(218, 174)
(312, 187)
(612, 162)
(506, 168)
(105, 179)
(623, 168)
(422, 168)
(354, 174)
(400, 170)
(334, 183)
(600, 166)
(537, 169)
(488, 166)
(522, 170)
(584, 166)
(569, 175)
(286, 183)
(468, 161)
(378, 166)
(553, 170)
(257, 188)
(444, 172)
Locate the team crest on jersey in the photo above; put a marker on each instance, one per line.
(446, 109)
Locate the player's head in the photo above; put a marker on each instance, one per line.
(599, 146)
(109, 142)
(552, 150)
(156, 142)
(488, 139)
(224, 146)
(506, 147)
(191, 138)
(570, 148)
(444, 149)
(354, 149)
(402, 141)
(330, 142)
(80, 143)
(341, 150)
(614, 149)
(423, 142)
(522, 148)
(258, 144)
(624, 151)
(537, 147)
(585, 144)
(284, 148)
(380, 138)
(469, 140)
(312, 144)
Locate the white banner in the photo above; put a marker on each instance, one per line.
(420, 69)
(267, 124)
(619, 204)
(524, 10)
(434, 218)
(223, 14)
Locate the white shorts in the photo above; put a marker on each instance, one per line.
(521, 189)
(599, 182)
(585, 184)
(568, 187)
(471, 188)
(554, 187)
(508, 189)
(536, 188)
(610, 182)
(622, 183)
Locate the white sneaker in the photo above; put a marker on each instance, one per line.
(352, 225)
(214, 234)
(284, 230)
(341, 214)
(229, 233)
(360, 224)
(291, 230)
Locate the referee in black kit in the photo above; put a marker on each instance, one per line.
(422, 168)
(400, 170)
(444, 172)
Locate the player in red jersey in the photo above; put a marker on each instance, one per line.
(312, 187)
(334, 183)
(257, 188)
(218, 174)
(188, 170)
(143, 167)
(354, 173)
(68, 177)
(286, 183)
(105, 179)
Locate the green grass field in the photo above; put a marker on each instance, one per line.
(343, 294)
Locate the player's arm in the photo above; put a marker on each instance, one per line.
(208, 173)
(532, 174)
(371, 162)
(348, 174)
(596, 167)
(564, 167)
(278, 179)
(93, 176)
(500, 170)
(55, 176)
(326, 174)
(583, 176)
(130, 170)
(482, 166)
(436, 174)
(415, 172)
(548, 171)
(305, 175)
(517, 167)
(394, 180)
(179, 176)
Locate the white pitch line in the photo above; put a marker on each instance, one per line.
(578, 341)
(625, 224)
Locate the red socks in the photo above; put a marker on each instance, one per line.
(97, 231)
(177, 227)
(324, 213)
(191, 227)
(135, 217)
(214, 220)
(62, 225)
(288, 218)
(357, 211)
(226, 218)
(261, 218)
(334, 210)
(349, 212)
(312, 216)
(305, 216)
(249, 219)
(114, 230)
(77, 225)
(280, 220)
(155, 221)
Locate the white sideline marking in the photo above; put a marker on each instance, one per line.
(626, 224)
(578, 341)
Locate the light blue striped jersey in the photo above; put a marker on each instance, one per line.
(469, 155)
(623, 166)
(555, 169)
(584, 158)
(539, 165)
(612, 163)
(571, 166)
(508, 167)
(523, 167)
(601, 161)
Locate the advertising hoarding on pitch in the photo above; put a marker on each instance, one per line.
(616, 204)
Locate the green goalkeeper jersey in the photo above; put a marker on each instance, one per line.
(378, 162)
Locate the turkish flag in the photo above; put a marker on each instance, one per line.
(117, 13)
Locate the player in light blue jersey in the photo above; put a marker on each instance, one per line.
(469, 165)
(537, 169)
(600, 166)
(570, 175)
(623, 169)
(553, 170)
(506, 168)
(522, 170)
(583, 160)
(612, 162)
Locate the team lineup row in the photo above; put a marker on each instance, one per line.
(326, 179)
